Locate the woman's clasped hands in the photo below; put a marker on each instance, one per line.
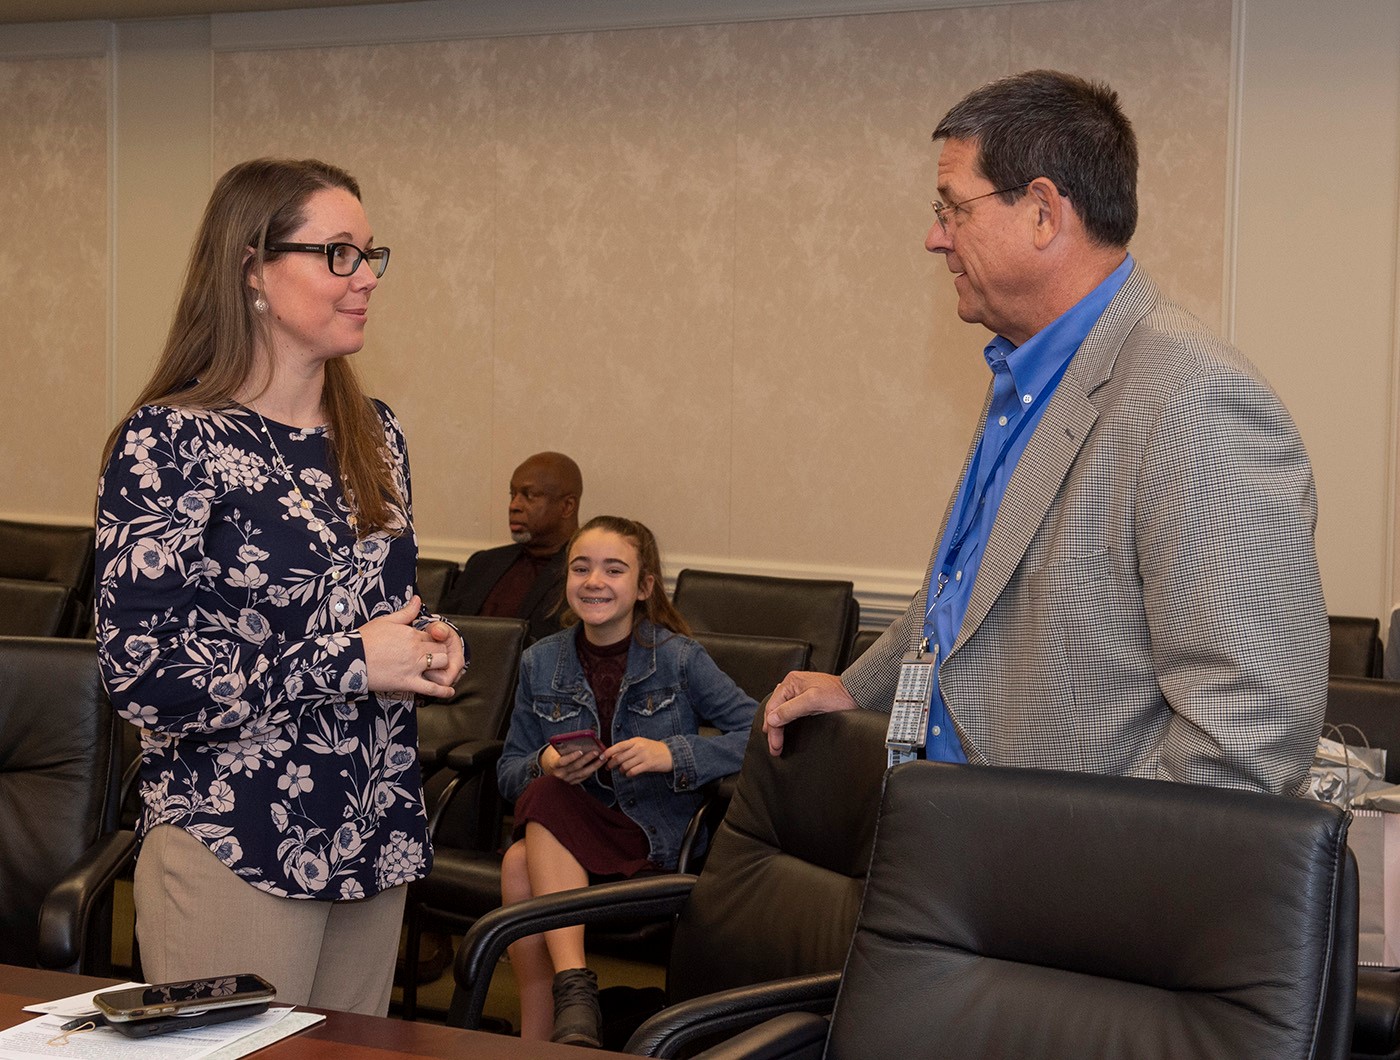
(401, 658)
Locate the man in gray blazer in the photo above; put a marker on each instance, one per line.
(1125, 581)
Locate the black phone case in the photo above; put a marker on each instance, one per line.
(166, 1024)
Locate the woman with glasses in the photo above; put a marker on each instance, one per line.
(256, 614)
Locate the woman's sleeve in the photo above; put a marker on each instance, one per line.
(172, 660)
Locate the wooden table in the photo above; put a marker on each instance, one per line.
(341, 1035)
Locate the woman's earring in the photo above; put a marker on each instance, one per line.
(260, 304)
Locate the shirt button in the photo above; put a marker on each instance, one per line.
(1001, 420)
(339, 607)
(937, 731)
(1027, 400)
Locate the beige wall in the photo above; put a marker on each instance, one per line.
(689, 255)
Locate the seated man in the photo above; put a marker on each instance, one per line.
(526, 579)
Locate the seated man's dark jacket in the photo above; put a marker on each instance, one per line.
(484, 569)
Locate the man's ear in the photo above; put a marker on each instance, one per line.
(1052, 209)
(570, 504)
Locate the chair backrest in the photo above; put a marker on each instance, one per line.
(1062, 915)
(480, 706)
(782, 883)
(1373, 707)
(479, 710)
(823, 613)
(435, 576)
(756, 664)
(33, 608)
(1356, 649)
(49, 552)
(863, 641)
(56, 775)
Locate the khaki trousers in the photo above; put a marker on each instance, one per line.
(195, 917)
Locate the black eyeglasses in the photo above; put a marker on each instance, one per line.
(947, 213)
(341, 258)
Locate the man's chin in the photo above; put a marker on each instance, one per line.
(521, 537)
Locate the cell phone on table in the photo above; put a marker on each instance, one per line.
(582, 740)
(217, 993)
(145, 1028)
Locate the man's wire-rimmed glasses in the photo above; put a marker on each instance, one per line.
(947, 213)
(341, 258)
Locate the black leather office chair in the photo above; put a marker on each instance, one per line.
(435, 577)
(49, 552)
(823, 613)
(33, 608)
(756, 664)
(863, 641)
(1374, 708)
(1024, 913)
(1356, 649)
(58, 851)
(778, 895)
(480, 706)
(459, 743)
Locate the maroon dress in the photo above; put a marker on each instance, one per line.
(604, 840)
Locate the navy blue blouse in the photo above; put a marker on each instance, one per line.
(230, 586)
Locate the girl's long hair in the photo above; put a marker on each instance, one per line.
(209, 355)
(657, 607)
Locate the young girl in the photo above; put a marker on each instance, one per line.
(629, 674)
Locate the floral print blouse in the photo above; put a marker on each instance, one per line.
(230, 586)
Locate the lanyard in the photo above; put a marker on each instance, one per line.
(969, 512)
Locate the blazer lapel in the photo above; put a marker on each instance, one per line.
(1053, 448)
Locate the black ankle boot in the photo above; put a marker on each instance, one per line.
(576, 1015)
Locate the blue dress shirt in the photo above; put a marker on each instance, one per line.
(1023, 379)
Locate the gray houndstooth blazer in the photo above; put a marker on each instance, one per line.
(1149, 602)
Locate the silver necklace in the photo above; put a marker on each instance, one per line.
(313, 523)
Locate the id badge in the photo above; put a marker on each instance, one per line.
(908, 731)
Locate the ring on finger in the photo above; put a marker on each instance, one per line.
(428, 661)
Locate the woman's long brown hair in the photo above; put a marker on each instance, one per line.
(209, 355)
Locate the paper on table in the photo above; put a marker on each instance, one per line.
(31, 1040)
(75, 1004)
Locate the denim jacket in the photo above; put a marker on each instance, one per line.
(668, 690)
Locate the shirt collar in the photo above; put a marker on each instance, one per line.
(1034, 363)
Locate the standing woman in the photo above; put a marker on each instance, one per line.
(256, 615)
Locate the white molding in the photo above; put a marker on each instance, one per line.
(55, 40)
(433, 20)
(883, 593)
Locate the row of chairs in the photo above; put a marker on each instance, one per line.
(46, 583)
(780, 894)
(45, 579)
(822, 612)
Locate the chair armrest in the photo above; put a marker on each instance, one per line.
(63, 918)
(475, 756)
(467, 760)
(603, 903)
(675, 1029)
(791, 1036)
(1377, 1027)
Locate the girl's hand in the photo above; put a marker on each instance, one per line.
(572, 768)
(398, 657)
(639, 755)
